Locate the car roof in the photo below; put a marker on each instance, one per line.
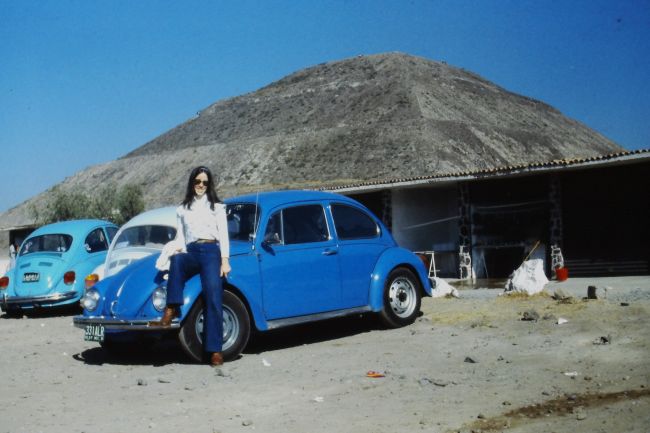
(275, 198)
(164, 216)
(72, 227)
(167, 215)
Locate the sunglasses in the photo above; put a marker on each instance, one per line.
(198, 182)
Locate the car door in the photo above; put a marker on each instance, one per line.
(360, 245)
(298, 263)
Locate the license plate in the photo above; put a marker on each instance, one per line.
(94, 333)
(31, 277)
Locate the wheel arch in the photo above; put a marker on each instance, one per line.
(391, 259)
(240, 294)
(255, 311)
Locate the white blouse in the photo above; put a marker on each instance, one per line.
(201, 222)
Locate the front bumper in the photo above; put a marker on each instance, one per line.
(36, 301)
(110, 323)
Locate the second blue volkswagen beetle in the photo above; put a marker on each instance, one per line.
(296, 256)
(52, 264)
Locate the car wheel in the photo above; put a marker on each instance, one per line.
(236, 328)
(402, 297)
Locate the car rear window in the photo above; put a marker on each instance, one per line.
(58, 243)
(151, 236)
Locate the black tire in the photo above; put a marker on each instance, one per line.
(236, 328)
(402, 298)
(13, 313)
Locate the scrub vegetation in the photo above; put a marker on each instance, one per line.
(112, 203)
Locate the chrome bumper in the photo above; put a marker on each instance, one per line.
(36, 301)
(119, 324)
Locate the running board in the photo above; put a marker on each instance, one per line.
(280, 323)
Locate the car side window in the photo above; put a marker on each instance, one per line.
(297, 225)
(273, 233)
(110, 231)
(304, 224)
(96, 241)
(352, 223)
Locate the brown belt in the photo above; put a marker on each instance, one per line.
(205, 241)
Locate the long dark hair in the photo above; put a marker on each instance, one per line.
(210, 191)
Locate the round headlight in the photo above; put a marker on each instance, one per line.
(159, 298)
(90, 299)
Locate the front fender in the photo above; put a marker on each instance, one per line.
(390, 259)
(127, 294)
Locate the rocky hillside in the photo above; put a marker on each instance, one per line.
(373, 117)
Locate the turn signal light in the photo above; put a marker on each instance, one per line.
(4, 283)
(91, 280)
(68, 277)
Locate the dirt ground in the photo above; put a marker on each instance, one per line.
(468, 365)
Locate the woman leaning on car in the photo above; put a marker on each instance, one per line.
(202, 229)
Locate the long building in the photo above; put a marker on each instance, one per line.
(595, 210)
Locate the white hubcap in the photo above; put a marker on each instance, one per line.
(402, 297)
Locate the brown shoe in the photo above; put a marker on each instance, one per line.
(166, 321)
(216, 359)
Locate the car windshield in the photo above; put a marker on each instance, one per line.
(57, 243)
(149, 236)
(242, 221)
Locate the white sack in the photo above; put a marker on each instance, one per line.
(528, 278)
(442, 288)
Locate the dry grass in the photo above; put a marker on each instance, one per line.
(489, 312)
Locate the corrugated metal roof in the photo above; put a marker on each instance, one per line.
(556, 164)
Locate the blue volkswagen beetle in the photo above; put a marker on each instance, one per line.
(296, 256)
(52, 264)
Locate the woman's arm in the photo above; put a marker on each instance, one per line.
(225, 267)
(180, 233)
(224, 240)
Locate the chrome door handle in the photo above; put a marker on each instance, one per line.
(329, 252)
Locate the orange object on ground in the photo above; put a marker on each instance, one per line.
(562, 274)
(374, 374)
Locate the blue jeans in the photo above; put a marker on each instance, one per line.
(203, 259)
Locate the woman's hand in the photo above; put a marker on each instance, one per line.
(225, 267)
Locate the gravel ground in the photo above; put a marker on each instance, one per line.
(619, 289)
(467, 364)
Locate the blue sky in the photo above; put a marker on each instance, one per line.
(85, 81)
